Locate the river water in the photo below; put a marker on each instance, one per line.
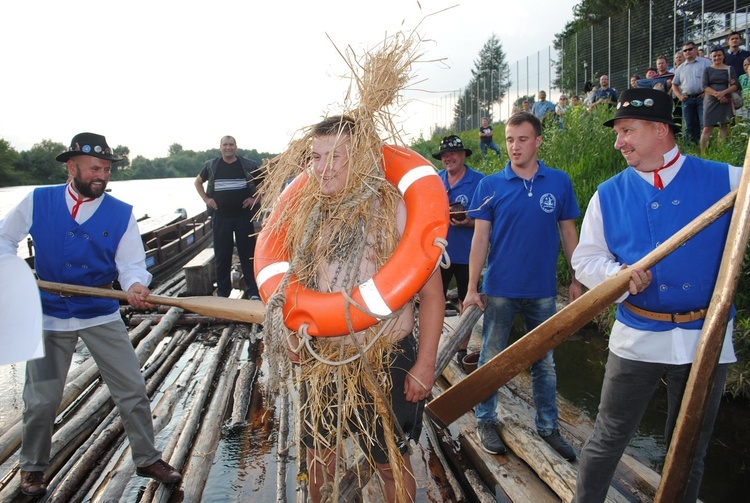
(580, 363)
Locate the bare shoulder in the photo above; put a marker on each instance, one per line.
(401, 217)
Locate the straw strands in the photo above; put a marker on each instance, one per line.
(337, 241)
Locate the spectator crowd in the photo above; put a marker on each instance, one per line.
(707, 91)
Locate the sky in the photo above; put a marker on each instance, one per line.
(149, 74)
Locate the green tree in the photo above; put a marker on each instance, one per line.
(122, 152)
(40, 164)
(8, 157)
(593, 11)
(490, 83)
(175, 149)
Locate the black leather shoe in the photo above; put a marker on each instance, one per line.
(32, 484)
(161, 471)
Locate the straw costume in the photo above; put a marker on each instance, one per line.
(336, 242)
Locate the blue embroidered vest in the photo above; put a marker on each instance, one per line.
(76, 254)
(638, 217)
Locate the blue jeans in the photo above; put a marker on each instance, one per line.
(627, 389)
(227, 231)
(498, 322)
(692, 116)
(492, 145)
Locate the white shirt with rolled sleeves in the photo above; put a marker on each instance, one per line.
(130, 258)
(593, 263)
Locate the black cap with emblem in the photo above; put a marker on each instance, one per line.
(644, 104)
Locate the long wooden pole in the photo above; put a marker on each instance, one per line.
(484, 381)
(247, 311)
(679, 461)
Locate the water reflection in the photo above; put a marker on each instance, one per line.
(580, 369)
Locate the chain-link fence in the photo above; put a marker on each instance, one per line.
(619, 46)
(629, 43)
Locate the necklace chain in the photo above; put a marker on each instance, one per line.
(529, 188)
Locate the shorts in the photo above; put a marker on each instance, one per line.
(461, 273)
(408, 414)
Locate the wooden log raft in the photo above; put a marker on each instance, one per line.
(207, 440)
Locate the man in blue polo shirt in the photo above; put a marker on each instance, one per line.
(460, 181)
(521, 214)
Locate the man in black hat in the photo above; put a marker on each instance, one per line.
(83, 236)
(659, 320)
(460, 181)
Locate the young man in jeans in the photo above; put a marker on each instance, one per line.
(521, 214)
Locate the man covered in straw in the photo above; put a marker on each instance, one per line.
(362, 393)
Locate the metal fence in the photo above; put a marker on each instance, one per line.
(618, 46)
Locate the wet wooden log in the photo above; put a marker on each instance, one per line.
(283, 445)
(77, 383)
(69, 479)
(203, 450)
(519, 434)
(432, 436)
(631, 477)
(476, 489)
(450, 342)
(91, 477)
(189, 426)
(507, 473)
(188, 319)
(355, 478)
(67, 439)
(149, 343)
(163, 412)
(243, 388)
(121, 472)
(159, 369)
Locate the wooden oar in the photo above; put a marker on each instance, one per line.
(679, 460)
(486, 380)
(247, 311)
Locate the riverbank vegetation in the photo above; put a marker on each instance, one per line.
(37, 166)
(584, 149)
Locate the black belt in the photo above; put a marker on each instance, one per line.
(693, 95)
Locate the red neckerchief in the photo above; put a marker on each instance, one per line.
(79, 200)
(657, 179)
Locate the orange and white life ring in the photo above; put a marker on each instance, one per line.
(401, 277)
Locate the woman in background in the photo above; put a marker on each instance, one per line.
(744, 80)
(719, 82)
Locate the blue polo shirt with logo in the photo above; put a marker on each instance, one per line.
(459, 237)
(524, 239)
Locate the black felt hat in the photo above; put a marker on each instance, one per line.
(88, 144)
(451, 143)
(644, 104)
